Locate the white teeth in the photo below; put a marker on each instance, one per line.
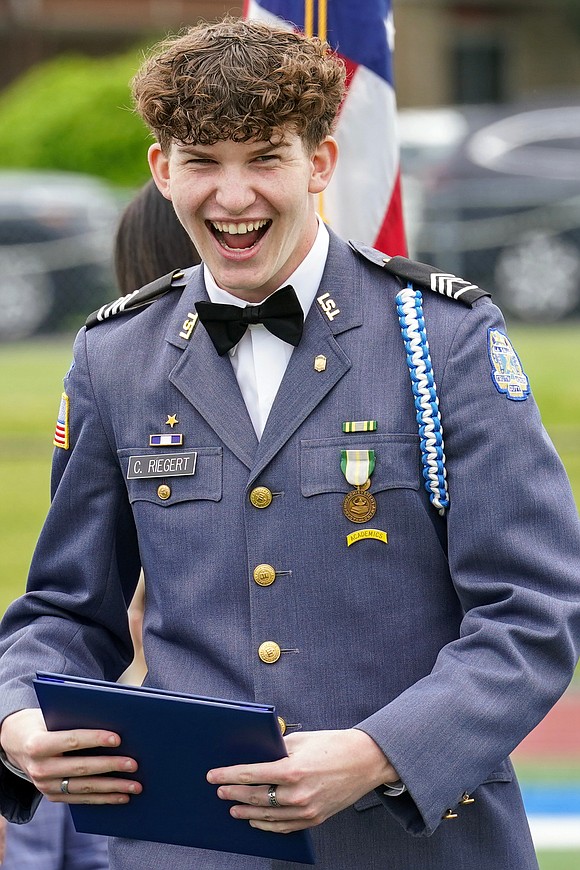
(237, 229)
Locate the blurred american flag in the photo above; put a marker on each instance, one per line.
(363, 200)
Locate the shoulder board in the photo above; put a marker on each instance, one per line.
(422, 276)
(138, 298)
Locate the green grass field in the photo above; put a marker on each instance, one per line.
(31, 376)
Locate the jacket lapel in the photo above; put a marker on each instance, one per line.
(208, 381)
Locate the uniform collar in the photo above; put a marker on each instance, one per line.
(332, 272)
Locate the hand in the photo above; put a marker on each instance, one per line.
(325, 772)
(39, 753)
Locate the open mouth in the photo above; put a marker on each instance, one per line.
(239, 236)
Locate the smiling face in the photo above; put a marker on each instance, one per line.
(249, 207)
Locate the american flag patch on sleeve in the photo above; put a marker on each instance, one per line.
(61, 433)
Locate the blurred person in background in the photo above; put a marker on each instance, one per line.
(408, 665)
(50, 842)
(150, 241)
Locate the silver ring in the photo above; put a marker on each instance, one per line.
(64, 786)
(273, 801)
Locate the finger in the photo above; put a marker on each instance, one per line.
(285, 827)
(267, 815)
(81, 765)
(94, 790)
(50, 743)
(253, 795)
(249, 774)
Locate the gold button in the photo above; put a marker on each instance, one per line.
(449, 815)
(264, 575)
(282, 725)
(261, 497)
(164, 491)
(269, 652)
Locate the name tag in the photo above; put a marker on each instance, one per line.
(162, 465)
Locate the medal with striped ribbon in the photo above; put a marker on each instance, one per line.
(359, 505)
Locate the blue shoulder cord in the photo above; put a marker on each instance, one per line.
(410, 310)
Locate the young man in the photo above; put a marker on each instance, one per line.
(412, 611)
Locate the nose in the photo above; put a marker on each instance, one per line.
(234, 193)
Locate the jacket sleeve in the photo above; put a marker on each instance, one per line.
(73, 617)
(514, 560)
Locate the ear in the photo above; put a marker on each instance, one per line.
(159, 166)
(323, 162)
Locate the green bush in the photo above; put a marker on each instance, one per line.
(74, 113)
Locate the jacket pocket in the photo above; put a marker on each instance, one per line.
(167, 490)
(397, 462)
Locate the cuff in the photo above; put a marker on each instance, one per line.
(12, 768)
(394, 789)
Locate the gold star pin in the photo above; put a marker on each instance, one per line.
(171, 420)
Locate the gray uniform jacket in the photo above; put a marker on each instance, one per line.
(447, 644)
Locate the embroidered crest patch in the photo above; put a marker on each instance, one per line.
(61, 433)
(507, 374)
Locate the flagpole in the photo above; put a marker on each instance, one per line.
(322, 30)
(322, 19)
(309, 17)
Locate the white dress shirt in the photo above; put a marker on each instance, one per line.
(260, 358)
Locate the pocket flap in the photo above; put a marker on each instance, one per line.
(397, 462)
(204, 483)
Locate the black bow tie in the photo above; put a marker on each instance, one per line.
(281, 314)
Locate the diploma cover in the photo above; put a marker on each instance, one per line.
(175, 739)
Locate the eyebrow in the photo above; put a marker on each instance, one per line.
(196, 150)
(205, 150)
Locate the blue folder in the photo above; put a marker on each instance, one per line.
(175, 738)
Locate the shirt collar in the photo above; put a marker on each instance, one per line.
(305, 279)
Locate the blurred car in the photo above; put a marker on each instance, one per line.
(492, 194)
(56, 241)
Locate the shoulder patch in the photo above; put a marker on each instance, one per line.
(61, 432)
(422, 276)
(507, 374)
(138, 298)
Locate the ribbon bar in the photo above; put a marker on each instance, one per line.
(359, 426)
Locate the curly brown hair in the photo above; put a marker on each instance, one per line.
(239, 80)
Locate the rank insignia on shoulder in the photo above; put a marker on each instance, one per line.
(422, 276)
(138, 298)
(61, 432)
(507, 374)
